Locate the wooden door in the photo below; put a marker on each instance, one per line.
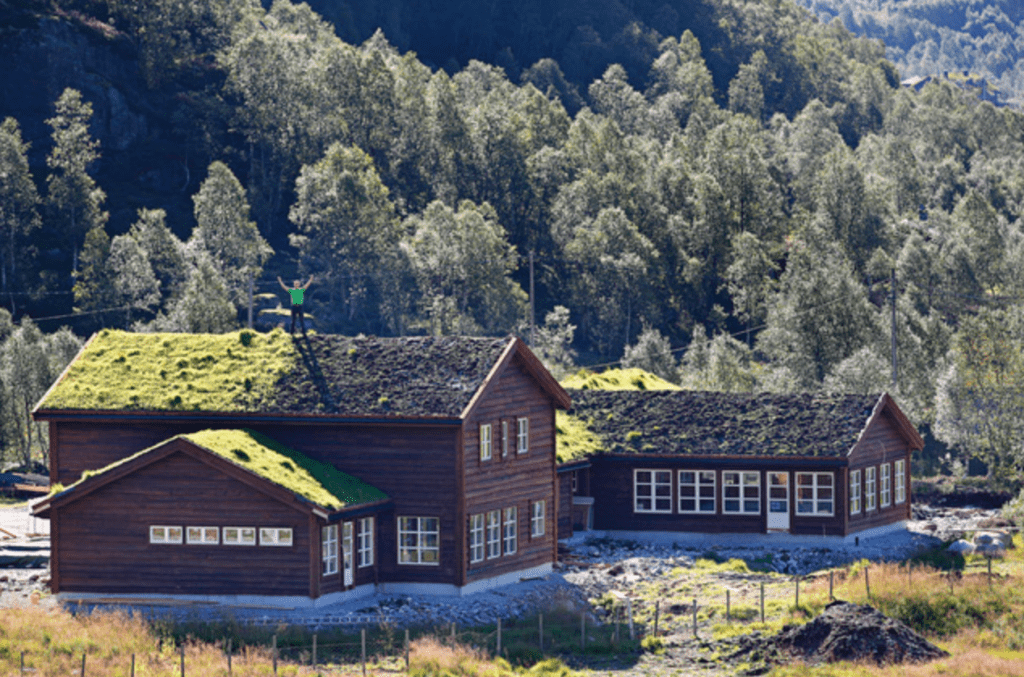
(346, 551)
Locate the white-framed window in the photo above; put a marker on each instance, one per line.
(696, 491)
(493, 534)
(504, 438)
(522, 435)
(885, 486)
(419, 540)
(239, 535)
(869, 489)
(275, 536)
(575, 481)
(511, 530)
(855, 492)
(202, 535)
(900, 483)
(346, 553)
(815, 493)
(537, 513)
(485, 441)
(476, 538)
(165, 534)
(741, 492)
(366, 541)
(329, 550)
(652, 491)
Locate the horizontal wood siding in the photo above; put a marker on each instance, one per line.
(880, 443)
(565, 505)
(516, 480)
(104, 536)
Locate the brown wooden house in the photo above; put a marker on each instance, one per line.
(453, 438)
(689, 461)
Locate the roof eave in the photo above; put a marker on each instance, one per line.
(60, 378)
(157, 415)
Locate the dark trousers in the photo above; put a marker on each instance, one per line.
(297, 313)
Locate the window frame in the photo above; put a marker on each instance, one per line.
(421, 535)
(166, 538)
(241, 536)
(204, 537)
(870, 489)
(855, 495)
(492, 535)
(510, 531)
(329, 550)
(900, 481)
(477, 549)
(486, 442)
(885, 485)
(741, 497)
(653, 483)
(276, 541)
(538, 516)
(504, 438)
(815, 499)
(697, 498)
(522, 435)
(365, 540)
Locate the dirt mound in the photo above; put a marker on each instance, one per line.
(850, 632)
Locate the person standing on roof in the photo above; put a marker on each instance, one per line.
(297, 291)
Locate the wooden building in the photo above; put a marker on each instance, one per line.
(452, 437)
(688, 461)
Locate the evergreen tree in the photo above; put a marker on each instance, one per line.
(19, 200)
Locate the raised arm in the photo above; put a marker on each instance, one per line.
(306, 286)
(283, 286)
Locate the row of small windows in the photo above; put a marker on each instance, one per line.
(273, 536)
(883, 486)
(741, 492)
(496, 532)
(487, 438)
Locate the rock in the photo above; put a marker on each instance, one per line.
(1001, 538)
(995, 523)
(962, 547)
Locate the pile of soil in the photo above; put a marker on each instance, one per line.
(852, 632)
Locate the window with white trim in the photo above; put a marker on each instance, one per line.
(275, 536)
(504, 438)
(511, 528)
(202, 535)
(476, 538)
(652, 491)
(485, 441)
(696, 491)
(855, 492)
(741, 492)
(885, 486)
(164, 534)
(869, 488)
(522, 435)
(493, 534)
(346, 553)
(239, 535)
(366, 541)
(815, 493)
(419, 540)
(329, 550)
(900, 483)
(538, 510)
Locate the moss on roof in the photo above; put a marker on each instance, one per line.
(275, 373)
(618, 379)
(575, 439)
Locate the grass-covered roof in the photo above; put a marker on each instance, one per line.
(693, 422)
(275, 373)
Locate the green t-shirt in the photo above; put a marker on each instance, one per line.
(296, 296)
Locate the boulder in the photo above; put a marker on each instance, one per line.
(1001, 539)
(961, 547)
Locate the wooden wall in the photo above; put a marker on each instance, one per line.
(517, 479)
(565, 505)
(880, 443)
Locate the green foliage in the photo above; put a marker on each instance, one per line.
(575, 439)
(652, 353)
(617, 379)
(19, 200)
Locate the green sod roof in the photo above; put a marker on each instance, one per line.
(618, 379)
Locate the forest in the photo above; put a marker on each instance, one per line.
(749, 202)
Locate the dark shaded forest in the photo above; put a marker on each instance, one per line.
(722, 192)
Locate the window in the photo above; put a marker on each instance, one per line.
(869, 489)
(504, 438)
(901, 481)
(419, 540)
(273, 536)
(696, 491)
(239, 535)
(366, 542)
(522, 435)
(652, 491)
(202, 535)
(537, 519)
(511, 529)
(346, 553)
(741, 492)
(885, 486)
(329, 550)
(165, 534)
(493, 534)
(476, 538)
(485, 441)
(814, 493)
(855, 492)
(575, 481)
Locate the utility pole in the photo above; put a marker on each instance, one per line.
(532, 306)
(893, 332)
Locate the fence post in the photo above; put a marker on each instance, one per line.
(453, 634)
(83, 664)
(629, 610)
(273, 652)
(229, 656)
(540, 630)
(728, 610)
(23, 662)
(583, 631)
(762, 601)
(362, 646)
(694, 616)
(831, 579)
(499, 636)
(989, 572)
(657, 608)
(867, 582)
(615, 618)
(133, 666)
(314, 649)
(796, 580)
(407, 648)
